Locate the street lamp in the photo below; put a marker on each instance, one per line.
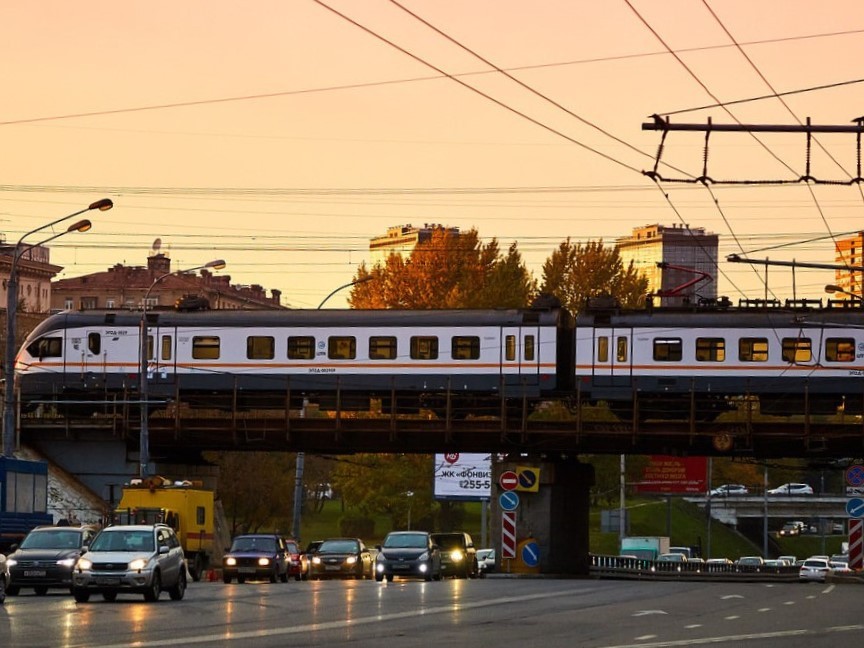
(143, 355)
(831, 289)
(409, 495)
(9, 418)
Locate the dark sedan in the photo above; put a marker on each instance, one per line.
(341, 558)
(256, 556)
(45, 558)
(408, 554)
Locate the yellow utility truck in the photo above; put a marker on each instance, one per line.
(184, 506)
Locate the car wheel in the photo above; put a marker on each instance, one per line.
(179, 590)
(226, 579)
(379, 577)
(12, 590)
(389, 578)
(81, 596)
(274, 576)
(152, 593)
(284, 577)
(298, 576)
(41, 590)
(197, 568)
(109, 596)
(241, 579)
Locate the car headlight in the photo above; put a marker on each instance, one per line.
(11, 562)
(379, 567)
(263, 561)
(456, 555)
(230, 561)
(316, 560)
(424, 556)
(83, 563)
(350, 560)
(66, 562)
(138, 564)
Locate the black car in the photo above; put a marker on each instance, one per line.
(45, 558)
(340, 558)
(458, 555)
(306, 558)
(408, 554)
(256, 556)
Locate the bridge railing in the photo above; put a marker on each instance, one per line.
(625, 567)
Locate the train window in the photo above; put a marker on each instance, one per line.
(94, 343)
(710, 350)
(382, 347)
(621, 353)
(150, 355)
(529, 347)
(301, 347)
(205, 347)
(166, 347)
(797, 350)
(603, 349)
(342, 347)
(465, 347)
(510, 347)
(260, 347)
(47, 347)
(424, 347)
(667, 349)
(839, 349)
(753, 349)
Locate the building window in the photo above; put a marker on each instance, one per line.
(341, 347)
(68, 303)
(382, 347)
(710, 350)
(301, 347)
(797, 350)
(205, 347)
(753, 349)
(88, 303)
(424, 347)
(260, 347)
(465, 347)
(667, 349)
(839, 349)
(109, 303)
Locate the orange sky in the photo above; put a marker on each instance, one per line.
(281, 137)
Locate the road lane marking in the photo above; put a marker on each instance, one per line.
(732, 618)
(764, 610)
(730, 596)
(829, 589)
(646, 637)
(702, 641)
(647, 612)
(692, 626)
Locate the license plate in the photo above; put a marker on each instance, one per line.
(108, 580)
(332, 568)
(398, 566)
(31, 573)
(246, 570)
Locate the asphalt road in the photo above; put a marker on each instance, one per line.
(500, 612)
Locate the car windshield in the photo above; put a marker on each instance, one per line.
(339, 546)
(406, 541)
(123, 541)
(253, 543)
(52, 540)
(816, 563)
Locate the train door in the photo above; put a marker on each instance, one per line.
(612, 357)
(93, 351)
(161, 355)
(520, 355)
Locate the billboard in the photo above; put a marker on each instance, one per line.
(463, 476)
(674, 475)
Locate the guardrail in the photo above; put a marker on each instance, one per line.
(640, 569)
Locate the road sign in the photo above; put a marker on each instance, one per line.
(531, 554)
(856, 544)
(529, 479)
(508, 480)
(855, 507)
(855, 475)
(508, 501)
(508, 534)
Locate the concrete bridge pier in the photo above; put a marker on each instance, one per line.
(547, 531)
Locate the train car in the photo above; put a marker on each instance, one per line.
(459, 359)
(668, 363)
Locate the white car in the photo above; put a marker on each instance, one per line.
(729, 490)
(792, 489)
(486, 560)
(814, 569)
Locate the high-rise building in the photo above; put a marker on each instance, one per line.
(850, 254)
(402, 240)
(680, 262)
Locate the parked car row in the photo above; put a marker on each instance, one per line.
(739, 490)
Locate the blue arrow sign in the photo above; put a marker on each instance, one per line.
(855, 507)
(508, 501)
(531, 554)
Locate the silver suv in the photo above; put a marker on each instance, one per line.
(143, 558)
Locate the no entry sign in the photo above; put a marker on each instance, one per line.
(508, 480)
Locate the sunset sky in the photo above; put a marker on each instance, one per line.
(281, 136)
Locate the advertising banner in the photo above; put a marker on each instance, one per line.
(463, 476)
(674, 476)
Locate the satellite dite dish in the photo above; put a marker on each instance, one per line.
(157, 245)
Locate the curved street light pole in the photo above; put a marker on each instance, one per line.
(143, 356)
(300, 462)
(9, 409)
(831, 289)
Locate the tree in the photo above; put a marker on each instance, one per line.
(576, 273)
(448, 271)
